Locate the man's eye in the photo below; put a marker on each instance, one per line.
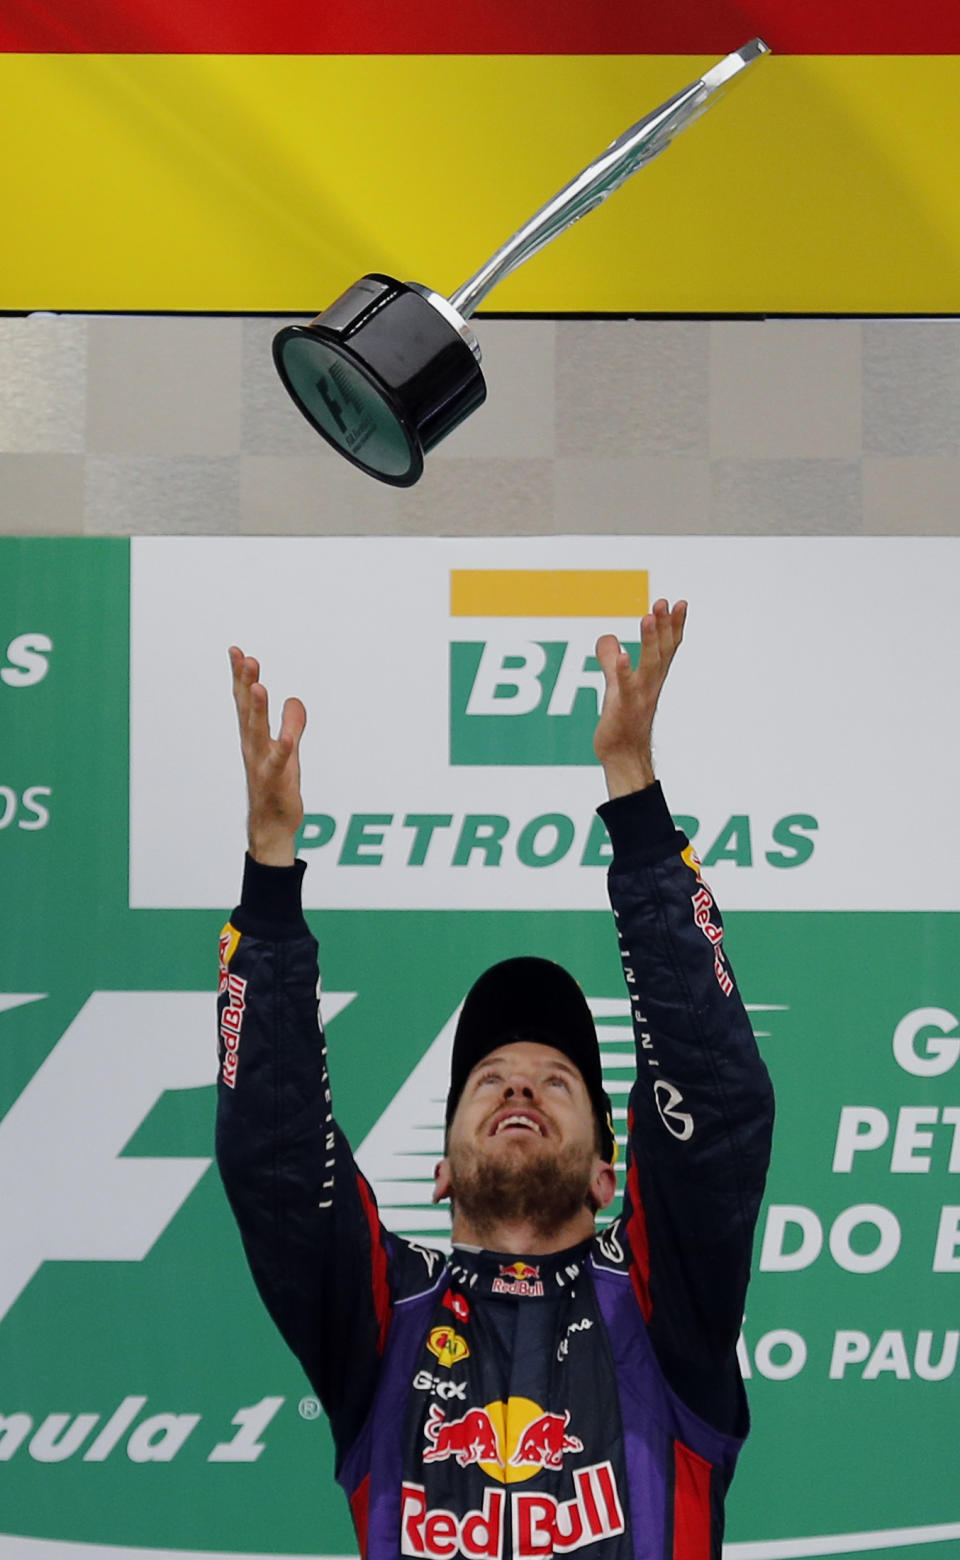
(490, 1077)
(560, 1079)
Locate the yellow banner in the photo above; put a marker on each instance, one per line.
(269, 183)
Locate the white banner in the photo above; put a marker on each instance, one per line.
(806, 737)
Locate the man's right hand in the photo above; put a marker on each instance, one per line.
(272, 765)
(622, 738)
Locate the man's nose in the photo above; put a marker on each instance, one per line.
(515, 1086)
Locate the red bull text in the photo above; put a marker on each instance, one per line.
(518, 1278)
(702, 906)
(541, 1525)
(231, 1023)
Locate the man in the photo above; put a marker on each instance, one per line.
(547, 1389)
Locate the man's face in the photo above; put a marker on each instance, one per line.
(522, 1142)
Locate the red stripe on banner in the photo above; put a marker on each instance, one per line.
(378, 1264)
(637, 1238)
(487, 27)
(691, 1504)
(360, 1509)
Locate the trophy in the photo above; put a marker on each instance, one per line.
(391, 368)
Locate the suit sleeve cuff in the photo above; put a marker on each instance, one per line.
(271, 899)
(640, 827)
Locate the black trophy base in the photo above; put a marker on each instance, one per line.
(383, 375)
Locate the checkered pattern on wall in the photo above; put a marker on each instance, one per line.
(117, 425)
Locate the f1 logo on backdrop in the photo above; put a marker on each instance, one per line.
(519, 696)
(72, 1192)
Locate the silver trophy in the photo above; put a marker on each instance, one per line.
(391, 368)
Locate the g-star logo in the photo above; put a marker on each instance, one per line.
(439, 1386)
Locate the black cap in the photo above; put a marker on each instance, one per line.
(530, 999)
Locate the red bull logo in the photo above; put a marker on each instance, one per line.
(702, 908)
(544, 1442)
(545, 1526)
(437, 1535)
(692, 859)
(229, 939)
(518, 1278)
(541, 1524)
(510, 1442)
(471, 1439)
(231, 1023)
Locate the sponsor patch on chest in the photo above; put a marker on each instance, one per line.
(540, 1524)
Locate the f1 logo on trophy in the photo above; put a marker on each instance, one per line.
(391, 368)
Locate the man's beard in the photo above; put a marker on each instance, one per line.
(542, 1190)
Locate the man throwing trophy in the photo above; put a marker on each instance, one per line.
(550, 1387)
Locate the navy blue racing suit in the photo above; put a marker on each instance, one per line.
(507, 1404)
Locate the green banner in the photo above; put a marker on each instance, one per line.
(145, 1399)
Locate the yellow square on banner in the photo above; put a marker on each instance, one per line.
(549, 592)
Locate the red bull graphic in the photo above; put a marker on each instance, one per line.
(542, 1525)
(702, 906)
(472, 1439)
(511, 1442)
(231, 1023)
(229, 938)
(518, 1278)
(692, 859)
(544, 1442)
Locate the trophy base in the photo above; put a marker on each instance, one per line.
(383, 374)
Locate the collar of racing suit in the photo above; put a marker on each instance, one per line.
(500, 1273)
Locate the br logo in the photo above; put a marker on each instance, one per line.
(525, 685)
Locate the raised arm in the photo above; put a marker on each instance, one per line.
(272, 765)
(622, 740)
(306, 1215)
(701, 1109)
